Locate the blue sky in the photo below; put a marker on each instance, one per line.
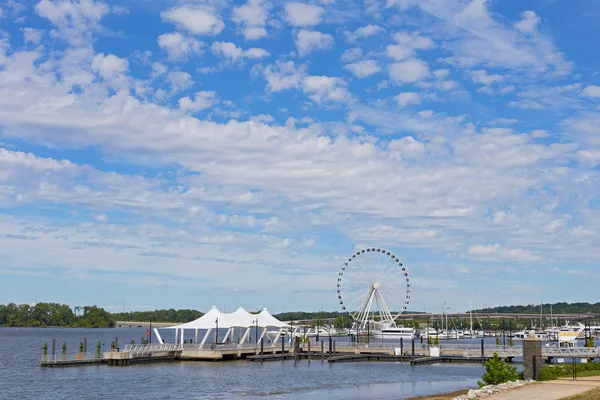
(188, 153)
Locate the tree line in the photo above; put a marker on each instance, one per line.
(54, 314)
(62, 315)
(170, 315)
(557, 308)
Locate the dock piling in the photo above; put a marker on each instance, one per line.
(53, 347)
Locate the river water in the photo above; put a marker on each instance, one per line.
(21, 376)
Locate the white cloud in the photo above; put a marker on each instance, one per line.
(283, 76)
(252, 17)
(526, 104)
(309, 41)
(477, 39)
(178, 46)
(201, 101)
(414, 40)
(529, 22)
(408, 71)
(482, 77)
(231, 52)
(324, 88)
(31, 35)
(364, 32)
(441, 73)
(158, 69)
(179, 80)
(198, 19)
(407, 98)
(76, 20)
(301, 14)
(496, 252)
(352, 54)
(109, 66)
(592, 91)
(364, 68)
(406, 44)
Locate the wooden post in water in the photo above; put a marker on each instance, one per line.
(334, 348)
(282, 345)
(330, 346)
(262, 345)
(308, 350)
(401, 347)
(85, 345)
(322, 350)
(117, 342)
(482, 350)
(53, 347)
(98, 346)
(413, 347)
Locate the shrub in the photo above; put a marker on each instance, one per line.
(497, 372)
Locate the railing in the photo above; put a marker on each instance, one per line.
(219, 346)
(58, 358)
(141, 350)
(567, 352)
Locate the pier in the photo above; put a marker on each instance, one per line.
(331, 351)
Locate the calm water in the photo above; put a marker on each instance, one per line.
(22, 378)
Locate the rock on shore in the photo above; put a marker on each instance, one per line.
(491, 389)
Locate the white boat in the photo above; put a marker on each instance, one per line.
(322, 331)
(395, 333)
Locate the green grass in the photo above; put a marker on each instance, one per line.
(555, 371)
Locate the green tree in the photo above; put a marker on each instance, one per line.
(497, 372)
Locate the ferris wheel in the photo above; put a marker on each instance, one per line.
(373, 288)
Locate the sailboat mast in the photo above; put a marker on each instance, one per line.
(471, 317)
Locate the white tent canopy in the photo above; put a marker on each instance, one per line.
(238, 319)
(266, 319)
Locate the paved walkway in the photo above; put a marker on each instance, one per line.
(552, 390)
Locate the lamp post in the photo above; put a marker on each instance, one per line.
(217, 330)
(256, 330)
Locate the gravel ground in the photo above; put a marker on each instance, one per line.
(552, 390)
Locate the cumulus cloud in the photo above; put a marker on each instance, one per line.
(592, 91)
(407, 98)
(197, 19)
(309, 41)
(324, 88)
(179, 80)
(109, 66)
(178, 46)
(364, 32)
(409, 71)
(201, 101)
(481, 76)
(234, 53)
(352, 54)
(31, 35)
(283, 75)
(252, 18)
(364, 68)
(528, 23)
(301, 14)
(75, 20)
(407, 43)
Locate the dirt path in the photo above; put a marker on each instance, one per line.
(552, 390)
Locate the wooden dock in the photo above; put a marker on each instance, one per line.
(343, 352)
